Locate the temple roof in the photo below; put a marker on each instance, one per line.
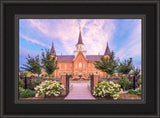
(80, 38)
(52, 52)
(107, 51)
(94, 57)
(65, 57)
(71, 57)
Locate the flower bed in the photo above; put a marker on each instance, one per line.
(81, 79)
(107, 88)
(49, 88)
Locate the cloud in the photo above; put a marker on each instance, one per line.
(25, 52)
(132, 45)
(33, 41)
(95, 33)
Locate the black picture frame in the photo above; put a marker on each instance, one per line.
(11, 8)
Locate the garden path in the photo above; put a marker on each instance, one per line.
(79, 91)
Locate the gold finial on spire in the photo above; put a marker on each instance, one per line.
(80, 28)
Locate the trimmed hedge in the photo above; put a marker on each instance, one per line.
(26, 93)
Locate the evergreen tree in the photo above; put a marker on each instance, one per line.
(49, 63)
(107, 64)
(125, 67)
(32, 65)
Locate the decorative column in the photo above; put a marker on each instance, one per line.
(95, 80)
(63, 80)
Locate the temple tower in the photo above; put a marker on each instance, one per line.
(80, 45)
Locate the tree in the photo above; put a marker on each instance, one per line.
(32, 65)
(49, 63)
(124, 81)
(136, 71)
(107, 64)
(125, 67)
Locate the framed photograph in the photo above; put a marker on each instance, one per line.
(80, 58)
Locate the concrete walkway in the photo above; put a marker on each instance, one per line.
(79, 91)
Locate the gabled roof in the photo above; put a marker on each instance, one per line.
(65, 57)
(52, 52)
(71, 57)
(107, 51)
(94, 57)
(80, 38)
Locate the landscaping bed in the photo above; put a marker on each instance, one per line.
(104, 98)
(130, 96)
(83, 81)
(47, 98)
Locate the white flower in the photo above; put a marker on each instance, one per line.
(121, 91)
(36, 95)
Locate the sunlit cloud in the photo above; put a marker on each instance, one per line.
(95, 34)
(33, 40)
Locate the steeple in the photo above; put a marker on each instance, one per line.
(107, 52)
(52, 52)
(80, 37)
(80, 45)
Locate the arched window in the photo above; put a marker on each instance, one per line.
(65, 66)
(59, 66)
(84, 66)
(89, 66)
(80, 65)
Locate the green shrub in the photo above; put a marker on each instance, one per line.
(80, 76)
(113, 75)
(26, 93)
(32, 75)
(23, 74)
(99, 81)
(52, 75)
(140, 88)
(70, 76)
(20, 89)
(33, 83)
(30, 85)
(20, 83)
(138, 92)
(126, 84)
(46, 75)
(139, 81)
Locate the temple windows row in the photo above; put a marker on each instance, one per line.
(80, 65)
(65, 66)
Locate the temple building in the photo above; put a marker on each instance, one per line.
(79, 63)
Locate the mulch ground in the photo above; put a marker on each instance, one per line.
(41, 98)
(122, 97)
(130, 97)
